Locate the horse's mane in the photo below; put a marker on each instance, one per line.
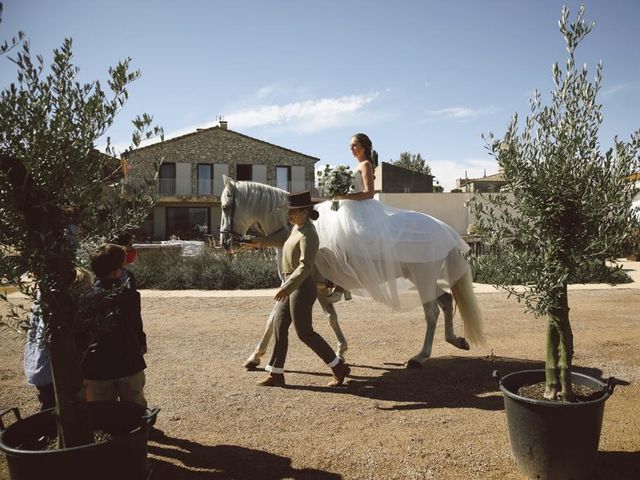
(265, 199)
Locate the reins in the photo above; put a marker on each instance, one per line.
(235, 237)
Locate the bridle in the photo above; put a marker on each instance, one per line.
(235, 237)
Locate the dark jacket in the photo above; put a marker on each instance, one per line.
(117, 349)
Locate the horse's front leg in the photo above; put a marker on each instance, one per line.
(445, 300)
(254, 359)
(431, 312)
(332, 316)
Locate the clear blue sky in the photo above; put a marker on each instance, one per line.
(427, 76)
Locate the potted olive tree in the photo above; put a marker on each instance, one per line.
(567, 205)
(59, 198)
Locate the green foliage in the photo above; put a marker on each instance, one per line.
(49, 126)
(489, 269)
(210, 270)
(568, 205)
(413, 162)
(59, 198)
(335, 180)
(9, 44)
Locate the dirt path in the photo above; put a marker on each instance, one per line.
(445, 421)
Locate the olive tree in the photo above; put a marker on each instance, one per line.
(567, 203)
(60, 197)
(414, 162)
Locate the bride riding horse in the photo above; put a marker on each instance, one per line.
(246, 203)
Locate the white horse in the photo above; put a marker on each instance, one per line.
(245, 203)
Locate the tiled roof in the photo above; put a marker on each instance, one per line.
(226, 130)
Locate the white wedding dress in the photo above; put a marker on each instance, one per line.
(365, 246)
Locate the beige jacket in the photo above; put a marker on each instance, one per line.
(298, 253)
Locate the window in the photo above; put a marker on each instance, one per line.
(283, 177)
(243, 172)
(205, 179)
(187, 223)
(167, 180)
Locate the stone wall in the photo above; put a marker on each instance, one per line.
(451, 208)
(392, 179)
(217, 146)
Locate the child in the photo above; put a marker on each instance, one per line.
(37, 368)
(125, 240)
(114, 364)
(36, 359)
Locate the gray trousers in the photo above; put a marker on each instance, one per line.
(297, 308)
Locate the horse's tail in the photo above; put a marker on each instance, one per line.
(466, 301)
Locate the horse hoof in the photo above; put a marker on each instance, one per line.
(463, 344)
(414, 364)
(251, 365)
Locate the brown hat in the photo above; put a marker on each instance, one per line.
(300, 200)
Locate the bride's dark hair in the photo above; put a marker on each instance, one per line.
(369, 153)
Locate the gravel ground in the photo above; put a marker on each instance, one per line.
(444, 421)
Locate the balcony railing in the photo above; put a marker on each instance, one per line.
(167, 187)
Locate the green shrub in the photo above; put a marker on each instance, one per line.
(489, 269)
(210, 270)
(255, 269)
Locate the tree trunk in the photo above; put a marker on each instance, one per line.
(551, 362)
(559, 351)
(74, 426)
(72, 413)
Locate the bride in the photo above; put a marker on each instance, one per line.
(365, 246)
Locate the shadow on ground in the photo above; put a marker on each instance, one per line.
(180, 459)
(618, 465)
(444, 382)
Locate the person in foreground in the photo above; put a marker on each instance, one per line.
(36, 356)
(114, 364)
(297, 294)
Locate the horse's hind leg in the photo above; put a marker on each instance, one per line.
(431, 312)
(254, 359)
(332, 315)
(445, 300)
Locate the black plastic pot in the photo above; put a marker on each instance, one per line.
(553, 440)
(124, 456)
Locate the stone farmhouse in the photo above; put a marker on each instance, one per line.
(490, 183)
(190, 177)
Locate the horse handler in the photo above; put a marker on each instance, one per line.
(297, 294)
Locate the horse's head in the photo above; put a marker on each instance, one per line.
(229, 230)
(246, 203)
